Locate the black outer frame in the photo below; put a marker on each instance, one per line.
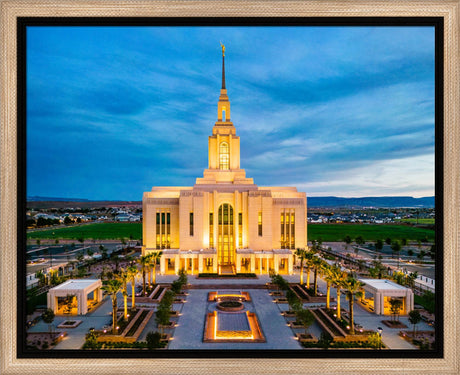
(24, 22)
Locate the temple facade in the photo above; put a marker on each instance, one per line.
(224, 223)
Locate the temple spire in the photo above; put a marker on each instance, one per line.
(223, 66)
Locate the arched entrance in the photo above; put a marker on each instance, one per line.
(225, 238)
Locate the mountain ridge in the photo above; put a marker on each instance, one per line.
(312, 202)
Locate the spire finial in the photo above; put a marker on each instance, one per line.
(223, 65)
(223, 49)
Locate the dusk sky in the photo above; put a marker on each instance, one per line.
(344, 111)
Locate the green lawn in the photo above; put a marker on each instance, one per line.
(425, 221)
(370, 232)
(98, 231)
(327, 232)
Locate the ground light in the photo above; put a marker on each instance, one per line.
(380, 330)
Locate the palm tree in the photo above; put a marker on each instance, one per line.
(338, 276)
(353, 288)
(132, 273)
(124, 277)
(327, 274)
(300, 253)
(143, 261)
(153, 262)
(317, 265)
(112, 287)
(414, 318)
(309, 265)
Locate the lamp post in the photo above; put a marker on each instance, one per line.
(379, 330)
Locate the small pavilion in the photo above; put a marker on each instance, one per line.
(88, 293)
(378, 292)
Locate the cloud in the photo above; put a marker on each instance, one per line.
(113, 110)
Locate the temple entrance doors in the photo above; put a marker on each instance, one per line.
(225, 237)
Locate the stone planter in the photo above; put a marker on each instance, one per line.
(306, 338)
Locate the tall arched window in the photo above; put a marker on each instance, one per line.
(225, 244)
(224, 156)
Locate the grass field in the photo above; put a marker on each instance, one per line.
(327, 232)
(425, 221)
(98, 231)
(370, 232)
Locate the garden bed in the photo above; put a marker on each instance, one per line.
(166, 326)
(288, 313)
(302, 337)
(394, 324)
(69, 324)
(44, 340)
(137, 323)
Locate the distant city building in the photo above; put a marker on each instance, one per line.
(224, 223)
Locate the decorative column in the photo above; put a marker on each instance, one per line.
(238, 263)
(177, 264)
(253, 263)
(200, 263)
(291, 265)
(214, 263)
(276, 264)
(377, 303)
(83, 303)
(162, 265)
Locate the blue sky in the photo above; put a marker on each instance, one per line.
(344, 111)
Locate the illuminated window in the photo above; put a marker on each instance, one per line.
(260, 223)
(287, 221)
(163, 230)
(211, 230)
(224, 156)
(240, 229)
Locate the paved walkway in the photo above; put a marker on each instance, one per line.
(189, 332)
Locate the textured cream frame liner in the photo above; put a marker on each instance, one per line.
(12, 9)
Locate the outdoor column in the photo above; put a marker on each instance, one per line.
(382, 304)
(253, 263)
(79, 307)
(276, 264)
(409, 301)
(260, 266)
(193, 264)
(49, 302)
(291, 265)
(162, 265)
(200, 263)
(238, 263)
(214, 263)
(84, 302)
(177, 264)
(267, 267)
(99, 294)
(377, 303)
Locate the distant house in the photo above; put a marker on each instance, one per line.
(122, 217)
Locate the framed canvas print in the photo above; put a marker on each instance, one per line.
(226, 186)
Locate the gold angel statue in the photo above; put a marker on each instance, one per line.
(223, 49)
